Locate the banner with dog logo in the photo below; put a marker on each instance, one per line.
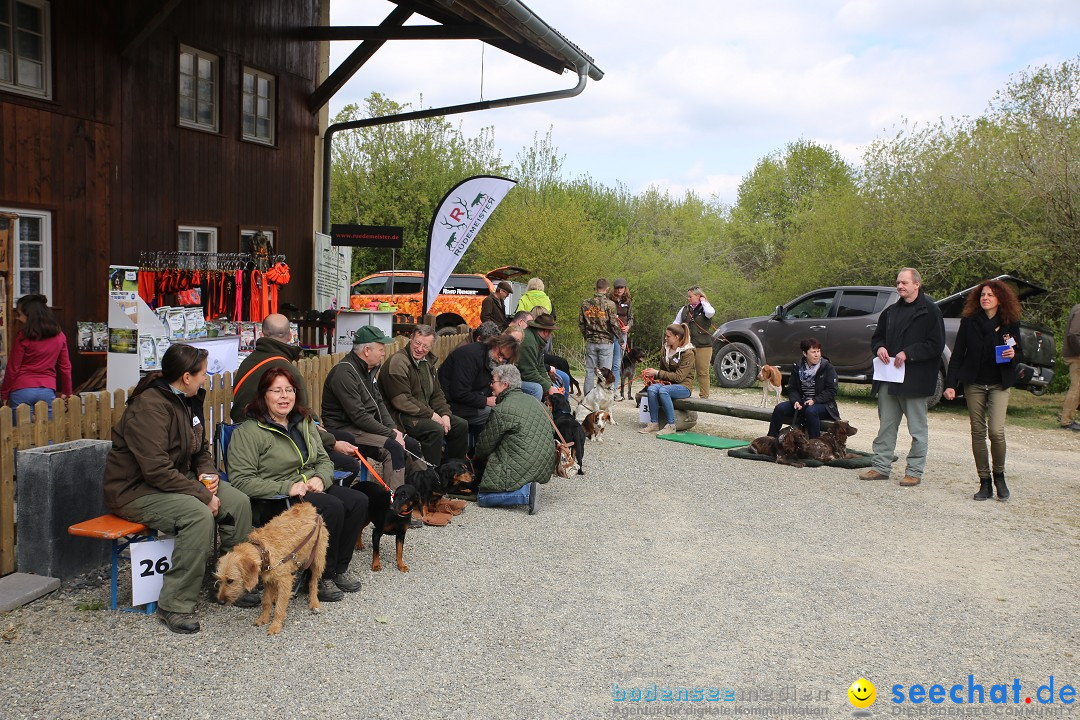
(461, 214)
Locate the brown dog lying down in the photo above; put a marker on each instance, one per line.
(292, 542)
(788, 449)
(832, 445)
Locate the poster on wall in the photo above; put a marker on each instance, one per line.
(123, 282)
(333, 267)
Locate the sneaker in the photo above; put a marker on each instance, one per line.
(328, 592)
(1074, 426)
(872, 474)
(534, 495)
(910, 481)
(345, 584)
(650, 428)
(248, 600)
(183, 623)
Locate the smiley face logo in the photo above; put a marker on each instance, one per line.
(862, 693)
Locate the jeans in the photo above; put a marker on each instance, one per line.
(29, 396)
(502, 499)
(564, 379)
(785, 412)
(987, 406)
(891, 408)
(664, 394)
(616, 353)
(534, 389)
(597, 355)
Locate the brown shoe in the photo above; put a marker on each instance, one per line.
(872, 474)
(910, 481)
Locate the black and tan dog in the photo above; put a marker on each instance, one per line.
(431, 486)
(628, 371)
(394, 521)
(572, 431)
(459, 478)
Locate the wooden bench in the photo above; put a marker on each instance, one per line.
(121, 533)
(722, 408)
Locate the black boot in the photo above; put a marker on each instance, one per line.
(985, 490)
(1002, 488)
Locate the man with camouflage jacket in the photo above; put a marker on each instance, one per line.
(599, 323)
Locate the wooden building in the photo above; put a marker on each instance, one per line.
(142, 125)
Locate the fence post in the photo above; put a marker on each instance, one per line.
(7, 492)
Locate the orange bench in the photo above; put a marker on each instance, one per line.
(121, 533)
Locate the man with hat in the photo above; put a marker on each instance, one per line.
(353, 402)
(599, 323)
(493, 307)
(535, 379)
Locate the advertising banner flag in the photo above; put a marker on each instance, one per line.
(459, 218)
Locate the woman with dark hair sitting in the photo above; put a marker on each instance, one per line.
(160, 473)
(278, 451)
(984, 359)
(39, 364)
(811, 391)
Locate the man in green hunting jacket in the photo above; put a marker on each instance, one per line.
(517, 444)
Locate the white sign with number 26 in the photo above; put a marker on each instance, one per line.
(150, 560)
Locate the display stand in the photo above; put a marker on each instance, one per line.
(132, 318)
(349, 321)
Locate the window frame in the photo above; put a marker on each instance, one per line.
(272, 100)
(46, 269)
(215, 94)
(45, 92)
(214, 234)
(249, 232)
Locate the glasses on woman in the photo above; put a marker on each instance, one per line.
(282, 391)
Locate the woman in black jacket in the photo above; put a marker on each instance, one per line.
(984, 358)
(811, 389)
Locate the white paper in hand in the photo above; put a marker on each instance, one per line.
(887, 372)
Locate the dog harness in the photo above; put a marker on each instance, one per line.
(264, 554)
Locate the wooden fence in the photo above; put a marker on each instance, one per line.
(92, 416)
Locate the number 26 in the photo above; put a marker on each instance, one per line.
(149, 567)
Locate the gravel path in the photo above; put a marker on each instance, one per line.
(666, 564)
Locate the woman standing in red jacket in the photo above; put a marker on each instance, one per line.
(39, 365)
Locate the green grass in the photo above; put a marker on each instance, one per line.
(92, 606)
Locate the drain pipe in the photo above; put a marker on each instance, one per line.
(328, 136)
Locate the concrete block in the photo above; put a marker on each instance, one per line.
(18, 589)
(58, 486)
(685, 419)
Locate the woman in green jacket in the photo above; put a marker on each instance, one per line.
(534, 296)
(277, 451)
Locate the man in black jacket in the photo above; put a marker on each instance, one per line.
(909, 335)
(492, 308)
(465, 377)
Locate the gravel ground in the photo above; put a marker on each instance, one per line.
(665, 563)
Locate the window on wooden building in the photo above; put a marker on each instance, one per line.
(32, 253)
(198, 104)
(196, 239)
(24, 47)
(257, 112)
(252, 241)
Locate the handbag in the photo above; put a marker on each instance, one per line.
(564, 460)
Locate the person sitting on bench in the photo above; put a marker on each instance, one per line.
(811, 391)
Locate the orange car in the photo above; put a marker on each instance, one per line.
(458, 303)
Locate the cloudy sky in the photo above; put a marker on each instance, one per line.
(697, 91)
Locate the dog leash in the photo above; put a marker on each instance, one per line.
(372, 471)
(264, 554)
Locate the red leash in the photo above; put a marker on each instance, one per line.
(372, 471)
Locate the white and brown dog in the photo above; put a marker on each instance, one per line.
(602, 394)
(771, 381)
(594, 424)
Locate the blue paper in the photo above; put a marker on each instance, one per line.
(998, 349)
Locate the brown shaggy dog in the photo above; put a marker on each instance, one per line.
(793, 442)
(293, 540)
(765, 445)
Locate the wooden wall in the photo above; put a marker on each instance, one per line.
(107, 156)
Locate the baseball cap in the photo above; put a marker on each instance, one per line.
(369, 334)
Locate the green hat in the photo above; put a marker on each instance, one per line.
(370, 334)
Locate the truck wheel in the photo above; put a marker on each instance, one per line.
(939, 387)
(735, 365)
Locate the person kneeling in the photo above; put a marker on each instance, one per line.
(517, 444)
(277, 451)
(812, 392)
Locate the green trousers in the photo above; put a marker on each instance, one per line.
(191, 521)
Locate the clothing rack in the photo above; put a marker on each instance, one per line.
(157, 260)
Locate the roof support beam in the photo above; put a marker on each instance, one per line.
(359, 56)
(149, 24)
(412, 32)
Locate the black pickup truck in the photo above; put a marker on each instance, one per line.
(843, 319)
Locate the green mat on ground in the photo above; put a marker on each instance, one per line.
(693, 438)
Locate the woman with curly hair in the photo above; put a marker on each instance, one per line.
(984, 360)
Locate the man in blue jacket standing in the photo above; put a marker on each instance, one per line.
(911, 335)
